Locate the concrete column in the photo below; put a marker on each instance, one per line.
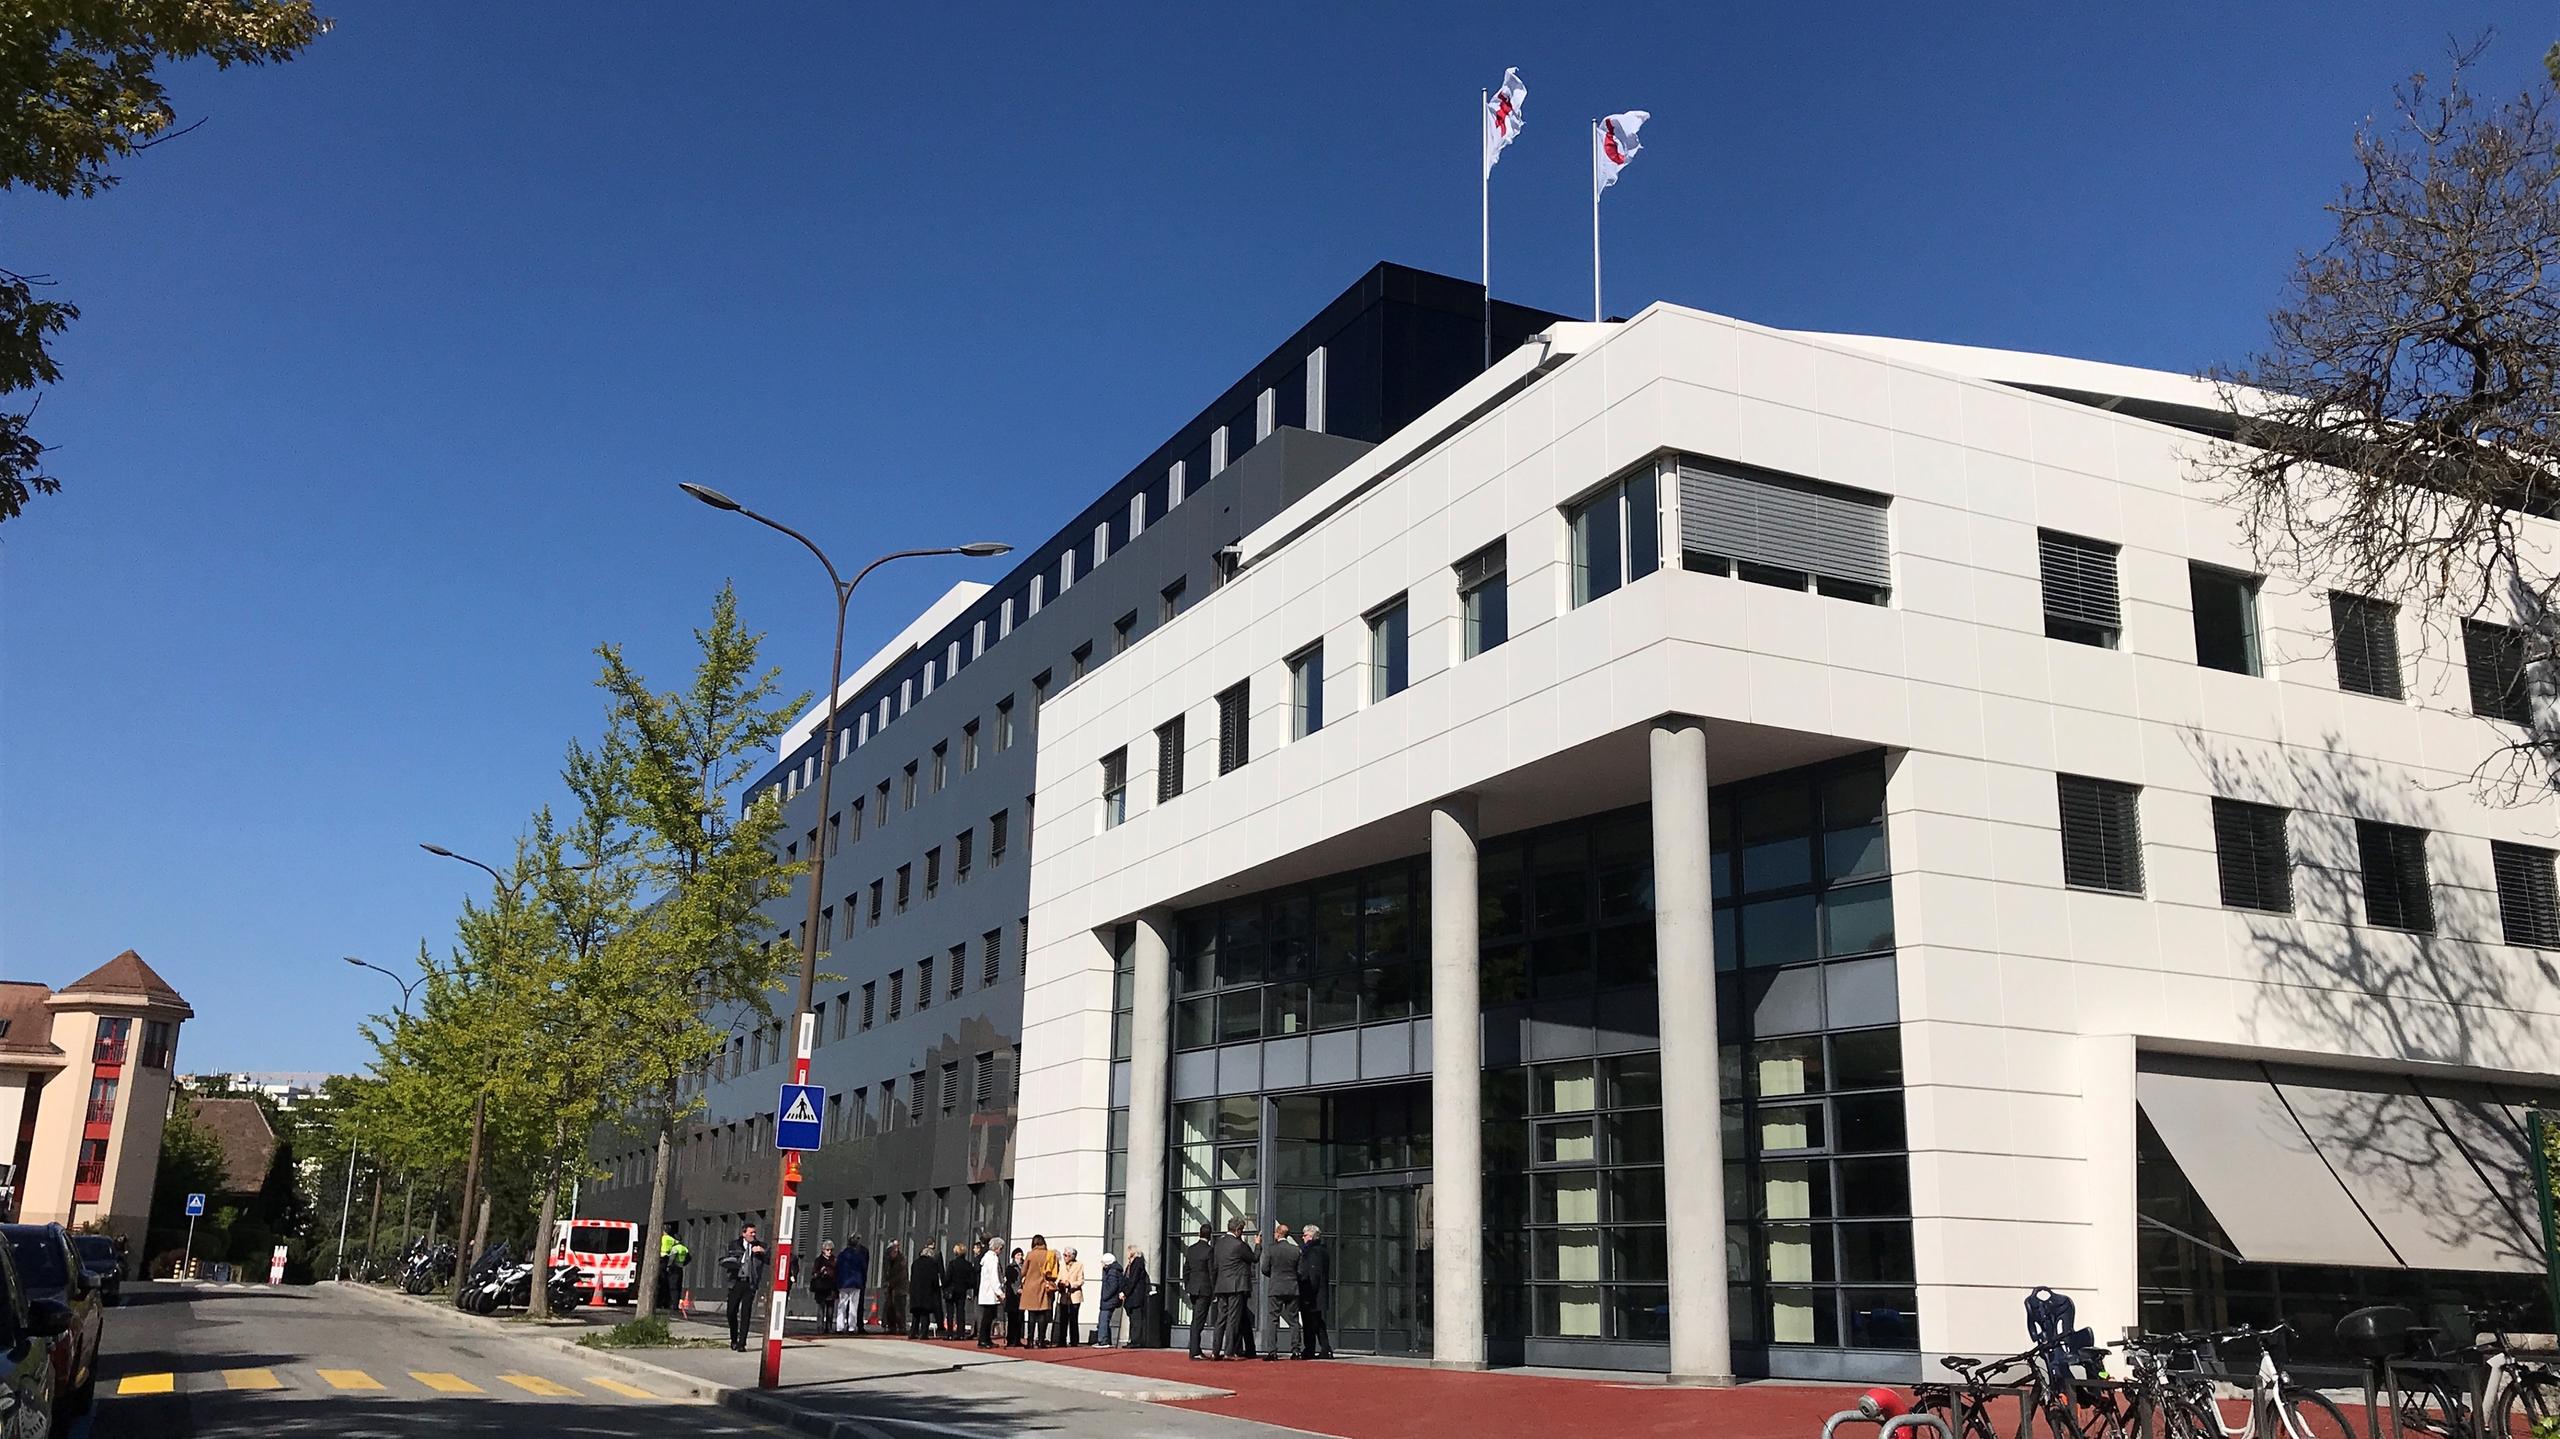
(1150, 1072)
(1457, 1094)
(1692, 1109)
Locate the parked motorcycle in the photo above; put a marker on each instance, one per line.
(426, 1269)
(510, 1286)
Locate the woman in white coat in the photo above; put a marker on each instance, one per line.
(990, 1292)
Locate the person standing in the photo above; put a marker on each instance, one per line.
(1013, 1301)
(893, 1290)
(1135, 1291)
(1280, 1260)
(742, 1265)
(990, 1290)
(1315, 1284)
(1106, 1300)
(957, 1281)
(1039, 1286)
(1234, 1292)
(822, 1286)
(1200, 1286)
(1068, 1302)
(924, 1294)
(673, 1256)
(853, 1271)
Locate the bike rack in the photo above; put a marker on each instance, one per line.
(1888, 1427)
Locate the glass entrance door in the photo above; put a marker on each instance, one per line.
(1382, 1264)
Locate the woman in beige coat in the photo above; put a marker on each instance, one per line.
(1039, 1277)
(1067, 1301)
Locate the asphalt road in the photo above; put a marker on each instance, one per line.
(209, 1363)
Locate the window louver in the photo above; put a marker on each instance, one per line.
(1785, 522)
(2367, 633)
(2081, 602)
(2394, 860)
(2250, 850)
(2101, 834)
(2528, 898)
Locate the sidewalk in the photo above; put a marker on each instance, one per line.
(1347, 1399)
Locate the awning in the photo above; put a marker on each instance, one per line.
(2249, 1160)
(2310, 1166)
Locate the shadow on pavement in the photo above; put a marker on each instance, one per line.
(220, 1416)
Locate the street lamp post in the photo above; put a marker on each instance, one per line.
(464, 1238)
(786, 1209)
(408, 987)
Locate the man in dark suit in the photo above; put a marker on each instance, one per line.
(742, 1264)
(1280, 1265)
(1199, 1285)
(1315, 1284)
(1234, 1292)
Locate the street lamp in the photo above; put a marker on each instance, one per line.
(786, 1212)
(407, 986)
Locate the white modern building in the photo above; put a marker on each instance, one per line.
(1712, 849)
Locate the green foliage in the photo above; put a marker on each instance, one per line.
(191, 1162)
(650, 1333)
(78, 91)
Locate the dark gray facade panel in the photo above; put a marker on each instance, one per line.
(1862, 992)
(1335, 1058)
(1284, 1063)
(1386, 1051)
(1239, 1069)
(1195, 1075)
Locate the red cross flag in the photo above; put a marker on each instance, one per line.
(1502, 117)
(1613, 145)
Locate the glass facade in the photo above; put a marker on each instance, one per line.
(1816, 1185)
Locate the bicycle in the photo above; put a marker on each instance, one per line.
(2190, 1407)
(1964, 1406)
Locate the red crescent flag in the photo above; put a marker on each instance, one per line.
(1502, 118)
(1615, 144)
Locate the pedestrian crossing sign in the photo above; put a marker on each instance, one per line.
(796, 1124)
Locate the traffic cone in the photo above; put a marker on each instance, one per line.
(595, 1296)
(875, 1311)
(684, 1305)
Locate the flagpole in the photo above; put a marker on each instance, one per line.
(1484, 217)
(1596, 311)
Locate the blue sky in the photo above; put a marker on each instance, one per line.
(372, 425)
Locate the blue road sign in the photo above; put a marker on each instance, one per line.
(195, 1206)
(796, 1124)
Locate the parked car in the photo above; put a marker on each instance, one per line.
(30, 1331)
(50, 1271)
(103, 1258)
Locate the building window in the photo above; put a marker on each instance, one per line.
(1617, 536)
(924, 983)
(92, 1170)
(2528, 899)
(990, 956)
(870, 993)
(1004, 724)
(967, 841)
(2250, 850)
(897, 994)
(969, 747)
(1484, 604)
(1039, 691)
(2368, 639)
(113, 1035)
(1782, 531)
(1235, 735)
(995, 837)
(875, 902)
(888, 1105)
(2101, 834)
(1169, 759)
(844, 1012)
(2495, 655)
(2394, 860)
(1124, 632)
(854, 829)
(835, 835)
(2226, 613)
(884, 801)
(102, 1099)
(915, 1097)
(932, 871)
(1115, 788)
(907, 788)
(905, 874)
(1390, 650)
(958, 965)
(159, 1043)
(983, 1091)
(1306, 691)
(2080, 599)
(950, 1088)
(941, 767)
(1082, 661)
(1170, 601)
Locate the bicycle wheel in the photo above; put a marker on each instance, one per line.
(1971, 1425)
(2185, 1416)
(2309, 1414)
(2531, 1409)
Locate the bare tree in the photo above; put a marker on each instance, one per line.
(2399, 434)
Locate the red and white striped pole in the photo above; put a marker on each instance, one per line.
(786, 1224)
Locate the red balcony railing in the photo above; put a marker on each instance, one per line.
(108, 1051)
(92, 1172)
(103, 1112)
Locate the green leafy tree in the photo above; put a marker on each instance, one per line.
(78, 92)
(191, 1162)
(701, 948)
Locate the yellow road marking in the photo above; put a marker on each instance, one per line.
(536, 1384)
(251, 1379)
(349, 1379)
(616, 1386)
(147, 1384)
(446, 1383)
